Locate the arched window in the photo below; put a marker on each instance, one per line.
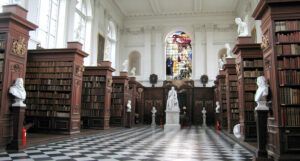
(110, 44)
(48, 22)
(178, 56)
(135, 62)
(80, 21)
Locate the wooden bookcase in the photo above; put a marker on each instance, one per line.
(119, 99)
(54, 84)
(222, 99)
(134, 86)
(281, 40)
(14, 36)
(231, 94)
(249, 66)
(96, 96)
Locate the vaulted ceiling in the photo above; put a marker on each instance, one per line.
(136, 8)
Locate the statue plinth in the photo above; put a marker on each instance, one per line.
(123, 73)
(245, 40)
(172, 120)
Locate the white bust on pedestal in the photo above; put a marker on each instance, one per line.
(172, 111)
(261, 94)
(153, 116)
(18, 91)
(204, 117)
(125, 65)
(217, 107)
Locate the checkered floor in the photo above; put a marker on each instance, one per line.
(139, 143)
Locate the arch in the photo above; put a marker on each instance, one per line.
(135, 61)
(178, 55)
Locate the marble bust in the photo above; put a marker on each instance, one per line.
(128, 106)
(18, 91)
(261, 94)
(242, 27)
(228, 51)
(217, 107)
(132, 71)
(153, 111)
(172, 102)
(237, 131)
(125, 65)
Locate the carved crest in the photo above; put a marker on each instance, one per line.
(19, 47)
(265, 42)
(79, 70)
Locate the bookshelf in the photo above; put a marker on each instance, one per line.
(135, 98)
(222, 99)
(280, 28)
(14, 35)
(54, 83)
(249, 66)
(119, 98)
(231, 94)
(96, 97)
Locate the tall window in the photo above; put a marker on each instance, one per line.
(178, 56)
(110, 45)
(80, 21)
(48, 21)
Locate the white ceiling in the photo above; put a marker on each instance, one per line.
(134, 8)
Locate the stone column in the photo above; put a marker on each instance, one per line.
(209, 48)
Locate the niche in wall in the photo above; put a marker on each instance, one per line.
(135, 61)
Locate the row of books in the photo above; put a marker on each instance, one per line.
(48, 95)
(93, 84)
(289, 63)
(234, 110)
(234, 105)
(249, 96)
(250, 87)
(289, 77)
(290, 37)
(48, 101)
(49, 63)
(232, 83)
(49, 69)
(48, 88)
(90, 91)
(2, 44)
(235, 117)
(94, 78)
(233, 88)
(291, 116)
(116, 95)
(49, 75)
(233, 100)
(254, 63)
(48, 108)
(251, 74)
(1, 55)
(116, 112)
(289, 96)
(116, 106)
(249, 106)
(47, 113)
(249, 116)
(232, 77)
(233, 94)
(91, 113)
(287, 25)
(94, 105)
(117, 89)
(93, 98)
(48, 81)
(288, 49)
(117, 101)
(249, 81)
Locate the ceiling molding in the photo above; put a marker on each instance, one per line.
(155, 7)
(117, 2)
(198, 5)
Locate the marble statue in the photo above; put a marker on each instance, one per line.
(204, 116)
(132, 71)
(125, 65)
(261, 93)
(242, 27)
(172, 102)
(18, 91)
(153, 116)
(221, 64)
(237, 131)
(228, 51)
(217, 107)
(129, 106)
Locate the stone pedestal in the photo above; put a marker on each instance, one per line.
(18, 114)
(128, 120)
(172, 121)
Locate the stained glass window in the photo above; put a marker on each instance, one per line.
(178, 56)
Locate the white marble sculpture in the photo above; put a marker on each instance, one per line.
(132, 71)
(18, 91)
(221, 64)
(125, 65)
(153, 116)
(242, 27)
(228, 51)
(261, 93)
(129, 106)
(204, 117)
(237, 131)
(172, 112)
(217, 107)
(172, 102)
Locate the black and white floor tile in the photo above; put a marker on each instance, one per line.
(139, 143)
